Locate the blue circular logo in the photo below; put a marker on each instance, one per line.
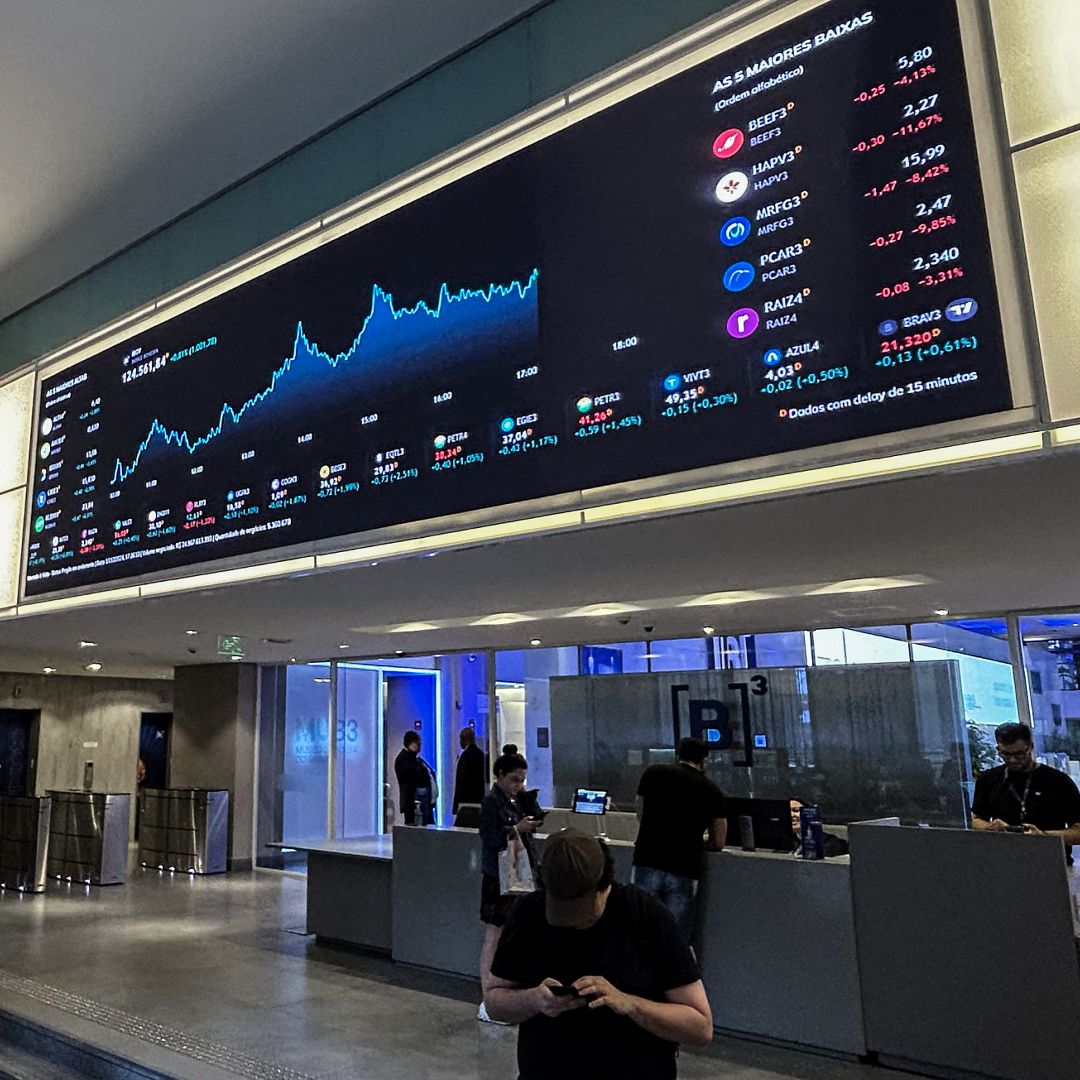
(739, 276)
(961, 310)
(734, 231)
(40, 500)
(230, 496)
(673, 382)
(772, 357)
(889, 326)
(507, 424)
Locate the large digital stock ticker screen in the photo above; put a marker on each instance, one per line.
(782, 247)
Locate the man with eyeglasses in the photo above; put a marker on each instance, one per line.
(1024, 796)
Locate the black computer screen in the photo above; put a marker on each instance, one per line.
(782, 247)
(771, 820)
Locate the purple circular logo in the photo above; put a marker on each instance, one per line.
(742, 323)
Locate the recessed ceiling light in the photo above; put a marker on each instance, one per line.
(343, 645)
(941, 611)
(87, 644)
(292, 659)
(708, 630)
(191, 633)
(399, 652)
(94, 666)
(49, 670)
(236, 659)
(535, 641)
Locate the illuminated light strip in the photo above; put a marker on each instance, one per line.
(828, 475)
(236, 266)
(107, 596)
(99, 339)
(743, 596)
(861, 585)
(508, 138)
(505, 530)
(229, 577)
(452, 161)
(1065, 436)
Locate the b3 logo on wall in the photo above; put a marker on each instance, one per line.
(710, 719)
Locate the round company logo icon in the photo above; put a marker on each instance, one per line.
(507, 424)
(732, 186)
(742, 323)
(889, 326)
(584, 404)
(672, 382)
(739, 276)
(728, 143)
(734, 231)
(40, 499)
(39, 524)
(772, 357)
(46, 426)
(961, 310)
(45, 451)
(440, 442)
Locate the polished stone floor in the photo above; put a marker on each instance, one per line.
(213, 977)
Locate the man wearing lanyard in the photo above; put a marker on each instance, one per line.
(1024, 796)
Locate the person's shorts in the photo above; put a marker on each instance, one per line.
(494, 907)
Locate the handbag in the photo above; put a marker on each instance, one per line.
(515, 870)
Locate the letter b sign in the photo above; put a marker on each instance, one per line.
(709, 722)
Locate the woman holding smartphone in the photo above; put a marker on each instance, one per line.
(503, 822)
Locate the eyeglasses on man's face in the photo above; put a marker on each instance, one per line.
(1013, 755)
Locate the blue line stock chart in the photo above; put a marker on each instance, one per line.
(467, 319)
(783, 247)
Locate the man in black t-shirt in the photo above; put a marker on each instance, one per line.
(596, 974)
(1023, 795)
(676, 805)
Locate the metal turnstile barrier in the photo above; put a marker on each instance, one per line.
(88, 837)
(24, 841)
(184, 829)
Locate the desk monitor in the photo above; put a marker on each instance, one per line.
(772, 823)
(590, 801)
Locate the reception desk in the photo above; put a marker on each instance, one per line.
(911, 951)
(349, 891)
(776, 944)
(967, 951)
(775, 937)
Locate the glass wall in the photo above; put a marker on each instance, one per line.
(867, 721)
(1051, 645)
(523, 706)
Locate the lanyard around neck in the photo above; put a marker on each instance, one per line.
(1021, 799)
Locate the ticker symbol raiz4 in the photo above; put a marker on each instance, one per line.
(382, 304)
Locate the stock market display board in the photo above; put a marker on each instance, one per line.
(782, 247)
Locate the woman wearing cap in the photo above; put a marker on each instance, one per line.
(503, 821)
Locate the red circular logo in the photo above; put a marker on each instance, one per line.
(728, 143)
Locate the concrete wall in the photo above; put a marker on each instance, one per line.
(213, 741)
(76, 711)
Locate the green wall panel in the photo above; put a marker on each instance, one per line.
(558, 45)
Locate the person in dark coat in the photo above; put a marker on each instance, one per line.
(470, 780)
(415, 784)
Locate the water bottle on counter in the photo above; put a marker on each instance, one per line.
(811, 832)
(746, 830)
